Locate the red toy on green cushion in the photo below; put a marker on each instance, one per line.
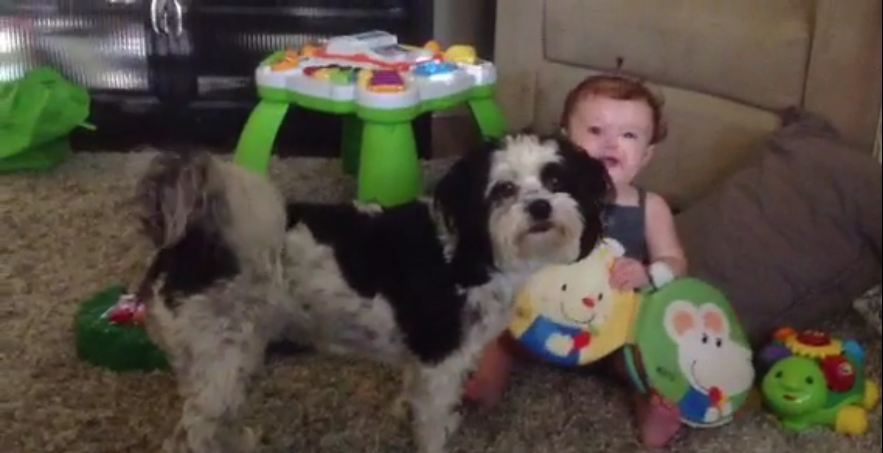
(110, 333)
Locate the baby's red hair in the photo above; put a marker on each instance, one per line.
(620, 88)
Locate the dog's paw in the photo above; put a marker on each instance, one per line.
(177, 443)
(248, 440)
(400, 409)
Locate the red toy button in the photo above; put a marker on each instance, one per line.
(814, 338)
(839, 373)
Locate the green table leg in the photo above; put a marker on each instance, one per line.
(489, 117)
(350, 144)
(389, 171)
(256, 142)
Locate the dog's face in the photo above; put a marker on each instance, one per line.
(534, 200)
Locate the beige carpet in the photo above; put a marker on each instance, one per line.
(68, 234)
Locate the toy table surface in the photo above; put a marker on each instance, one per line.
(379, 93)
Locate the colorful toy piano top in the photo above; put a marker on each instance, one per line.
(380, 86)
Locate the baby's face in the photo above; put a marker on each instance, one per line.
(616, 132)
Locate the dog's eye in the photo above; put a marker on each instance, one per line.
(553, 183)
(502, 190)
(551, 177)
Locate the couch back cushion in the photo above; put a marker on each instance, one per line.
(751, 51)
(795, 235)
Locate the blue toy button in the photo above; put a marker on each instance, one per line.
(431, 68)
(854, 350)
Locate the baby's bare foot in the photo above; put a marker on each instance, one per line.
(658, 422)
(487, 385)
(486, 390)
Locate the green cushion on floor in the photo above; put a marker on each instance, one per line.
(116, 346)
(41, 158)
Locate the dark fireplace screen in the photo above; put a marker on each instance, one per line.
(180, 71)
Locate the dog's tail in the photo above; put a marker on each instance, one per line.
(172, 195)
(180, 191)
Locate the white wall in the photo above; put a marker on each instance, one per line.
(468, 22)
(877, 144)
(465, 22)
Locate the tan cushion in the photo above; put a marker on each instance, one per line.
(754, 51)
(518, 52)
(843, 78)
(708, 136)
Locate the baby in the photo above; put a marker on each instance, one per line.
(618, 121)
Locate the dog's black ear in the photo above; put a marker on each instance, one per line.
(459, 195)
(459, 198)
(171, 195)
(591, 187)
(596, 185)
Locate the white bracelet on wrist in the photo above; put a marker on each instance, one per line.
(660, 274)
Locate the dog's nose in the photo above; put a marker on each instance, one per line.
(589, 302)
(539, 209)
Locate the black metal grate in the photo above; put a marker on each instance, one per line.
(198, 88)
(231, 39)
(103, 51)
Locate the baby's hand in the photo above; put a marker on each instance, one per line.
(628, 274)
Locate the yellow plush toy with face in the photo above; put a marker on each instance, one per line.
(570, 315)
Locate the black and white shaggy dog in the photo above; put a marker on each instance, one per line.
(425, 285)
